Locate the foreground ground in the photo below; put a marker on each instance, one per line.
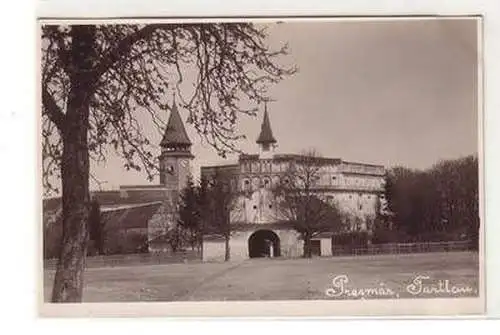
(380, 276)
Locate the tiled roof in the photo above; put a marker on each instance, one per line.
(130, 196)
(114, 198)
(124, 217)
(131, 217)
(125, 208)
(324, 235)
(175, 133)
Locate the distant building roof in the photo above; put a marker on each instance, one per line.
(231, 163)
(248, 157)
(129, 196)
(114, 200)
(130, 216)
(345, 167)
(175, 133)
(302, 157)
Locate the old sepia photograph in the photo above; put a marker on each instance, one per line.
(319, 160)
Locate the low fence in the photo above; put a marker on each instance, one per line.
(404, 248)
(194, 256)
(133, 259)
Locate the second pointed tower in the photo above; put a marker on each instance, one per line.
(176, 156)
(266, 140)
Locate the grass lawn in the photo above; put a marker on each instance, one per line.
(285, 279)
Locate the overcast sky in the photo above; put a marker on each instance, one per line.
(399, 92)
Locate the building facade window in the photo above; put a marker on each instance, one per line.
(256, 183)
(267, 183)
(276, 181)
(246, 185)
(255, 167)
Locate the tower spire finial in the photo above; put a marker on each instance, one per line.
(266, 138)
(175, 133)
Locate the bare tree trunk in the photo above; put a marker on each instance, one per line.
(307, 246)
(227, 256)
(193, 240)
(200, 249)
(200, 245)
(68, 282)
(75, 198)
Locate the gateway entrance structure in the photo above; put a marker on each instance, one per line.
(264, 243)
(258, 228)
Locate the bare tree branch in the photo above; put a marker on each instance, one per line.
(52, 110)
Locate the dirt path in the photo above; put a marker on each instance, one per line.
(207, 281)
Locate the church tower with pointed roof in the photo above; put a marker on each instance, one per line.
(176, 156)
(266, 140)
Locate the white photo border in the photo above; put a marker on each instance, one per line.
(155, 9)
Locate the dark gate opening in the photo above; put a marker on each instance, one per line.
(264, 243)
(316, 247)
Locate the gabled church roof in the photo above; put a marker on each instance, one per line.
(175, 133)
(266, 134)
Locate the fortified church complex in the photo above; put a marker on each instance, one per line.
(150, 210)
(259, 228)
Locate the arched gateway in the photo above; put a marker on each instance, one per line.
(264, 243)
